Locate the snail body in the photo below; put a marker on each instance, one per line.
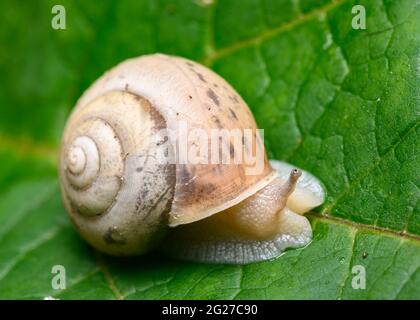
(129, 188)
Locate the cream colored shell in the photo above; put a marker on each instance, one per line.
(111, 149)
(182, 90)
(115, 185)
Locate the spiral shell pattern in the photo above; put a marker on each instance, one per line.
(115, 185)
(94, 166)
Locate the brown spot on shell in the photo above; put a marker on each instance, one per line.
(233, 113)
(213, 96)
(231, 150)
(206, 188)
(139, 200)
(217, 121)
(244, 142)
(158, 120)
(164, 140)
(114, 236)
(201, 77)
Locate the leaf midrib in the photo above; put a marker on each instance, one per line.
(362, 226)
(216, 54)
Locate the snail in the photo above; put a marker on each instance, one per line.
(129, 184)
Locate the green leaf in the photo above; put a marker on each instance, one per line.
(338, 102)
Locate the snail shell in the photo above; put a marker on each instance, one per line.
(125, 182)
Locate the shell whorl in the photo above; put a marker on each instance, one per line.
(117, 180)
(94, 166)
